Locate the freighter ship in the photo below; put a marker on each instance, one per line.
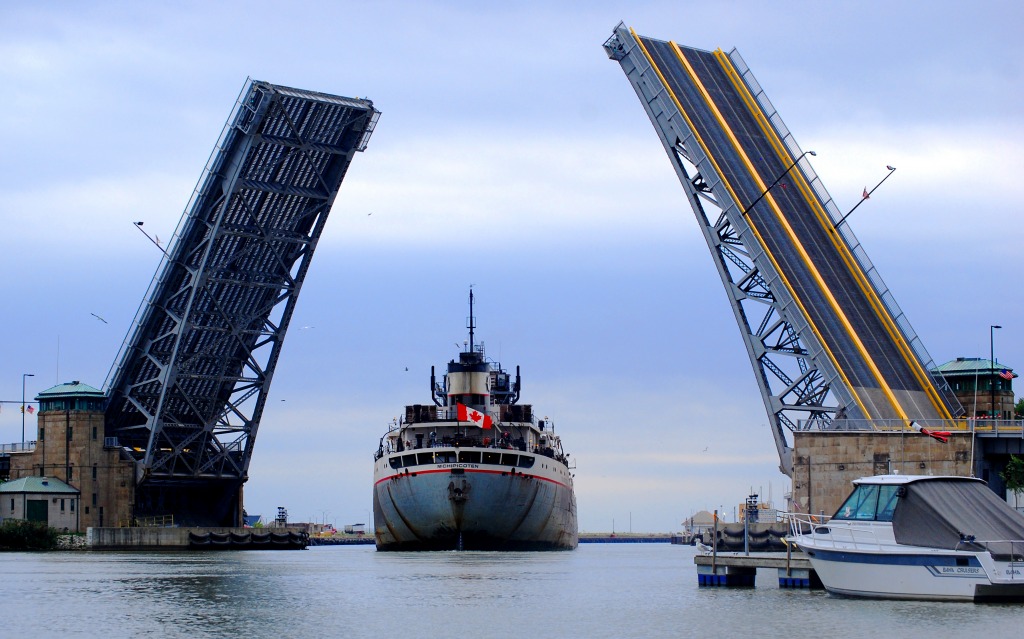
(475, 469)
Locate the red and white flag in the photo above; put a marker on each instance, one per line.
(865, 195)
(467, 414)
(31, 409)
(941, 435)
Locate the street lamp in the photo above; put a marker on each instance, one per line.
(867, 194)
(23, 376)
(138, 225)
(992, 366)
(790, 168)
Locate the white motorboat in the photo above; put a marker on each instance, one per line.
(917, 537)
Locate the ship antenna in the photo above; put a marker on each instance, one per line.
(472, 324)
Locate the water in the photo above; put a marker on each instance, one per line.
(599, 590)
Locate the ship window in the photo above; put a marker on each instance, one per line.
(860, 505)
(425, 458)
(509, 460)
(492, 458)
(395, 462)
(446, 457)
(469, 456)
(408, 460)
(526, 461)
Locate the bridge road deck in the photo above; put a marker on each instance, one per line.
(862, 340)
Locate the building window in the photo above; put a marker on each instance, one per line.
(62, 505)
(72, 505)
(94, 471)
(41, 434)
(94, 433)
(12, 505)
(95, 497)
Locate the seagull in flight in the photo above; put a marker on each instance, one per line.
(99, 318)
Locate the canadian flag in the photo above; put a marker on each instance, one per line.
(467, 414)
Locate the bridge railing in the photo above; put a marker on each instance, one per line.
(990, 427)
(18, 447)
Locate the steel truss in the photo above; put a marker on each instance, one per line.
(797, 387)
(800, 386)
(190, 383)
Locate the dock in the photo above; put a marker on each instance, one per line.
(737, 569)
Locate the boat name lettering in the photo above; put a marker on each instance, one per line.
(458, 465)
(1011, 572)
(958, 570)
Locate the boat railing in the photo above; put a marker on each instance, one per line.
(821, 527)
(1011, 550)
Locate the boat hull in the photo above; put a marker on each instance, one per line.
(957, 576)
(475, 507)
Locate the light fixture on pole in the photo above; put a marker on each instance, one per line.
(866, 195)
(790, 168)
(992, 368)
(156, 243)
(23, 376)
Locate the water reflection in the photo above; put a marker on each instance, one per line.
(614, 590)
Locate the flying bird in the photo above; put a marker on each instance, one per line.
(99, 318)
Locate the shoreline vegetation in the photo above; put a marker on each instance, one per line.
(20, 535)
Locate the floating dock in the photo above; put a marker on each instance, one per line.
(736, 569)
(196, 538)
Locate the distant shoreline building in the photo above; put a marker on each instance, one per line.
(984, 387)
(72, 449)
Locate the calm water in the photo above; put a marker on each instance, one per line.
(600, 590)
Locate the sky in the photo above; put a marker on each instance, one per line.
(511, 155)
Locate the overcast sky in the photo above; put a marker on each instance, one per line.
(513, 155)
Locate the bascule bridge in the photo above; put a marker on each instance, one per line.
(188, 387)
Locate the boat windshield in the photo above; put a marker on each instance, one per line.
(869, 502)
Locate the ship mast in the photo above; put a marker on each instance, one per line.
(472, 324)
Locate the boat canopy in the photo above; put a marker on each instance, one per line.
(961, 513)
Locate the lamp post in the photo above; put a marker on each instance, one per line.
(867, 194)
(138, 225)
(992, 367)
(23, 376)
(790, 168)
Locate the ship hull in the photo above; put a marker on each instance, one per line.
(475, 507)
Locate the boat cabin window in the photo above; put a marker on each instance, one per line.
(887, 498)
(870, 503)
(469, 456)
(492, 458)
(509, 460)
(395, 462)
(526, 461)
(408, 460)
(425, 458)
(446, 457)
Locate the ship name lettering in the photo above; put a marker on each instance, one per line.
(458, 465)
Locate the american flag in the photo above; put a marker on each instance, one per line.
(1006, 373)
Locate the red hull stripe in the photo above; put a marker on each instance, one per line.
(468, 470)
